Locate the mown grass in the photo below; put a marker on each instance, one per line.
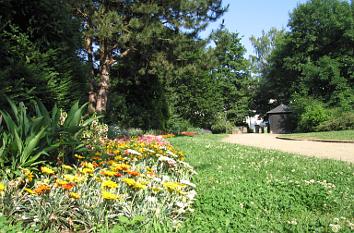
(330, 135)
(244, 189)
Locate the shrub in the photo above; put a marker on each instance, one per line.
(313, 115)
(177, 124)
(339, 121)
(135, 132)
(114, 131)
(222, 125)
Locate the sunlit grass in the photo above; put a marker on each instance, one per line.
(243, 189)
(330, 135)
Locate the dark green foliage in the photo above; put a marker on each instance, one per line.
(231, 75)
(177, 124)
(39, 59)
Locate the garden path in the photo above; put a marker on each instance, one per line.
(339, 151)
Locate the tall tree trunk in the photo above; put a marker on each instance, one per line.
(92, 92)
(102, 92)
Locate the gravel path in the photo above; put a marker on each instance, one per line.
(339, 151)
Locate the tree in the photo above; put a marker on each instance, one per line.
(232, 75)
(38, 50)
(263, 48)
(315, 58)
(116, 28)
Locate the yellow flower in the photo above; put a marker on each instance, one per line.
(72, 178)
(174, 187)
(87, 170)
(30, 191)
(61, 182)
(109, 196)
(79, 156)
(28, 174)
(120, 167)
(156, 189)
(67, 167)
(107, 173)
(47, 170)
(2, 187)
(74, 195)
(109, 184)
(133, 184)
(88, 165)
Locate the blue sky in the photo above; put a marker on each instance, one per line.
(250, 17)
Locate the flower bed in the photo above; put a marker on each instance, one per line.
(142, 179)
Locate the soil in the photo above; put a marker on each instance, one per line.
(328, 150)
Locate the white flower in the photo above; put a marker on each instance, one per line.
(292, 222)
(151, 199)
(187, 182)
(171, 154)
(334, 227)
(191, 195)
(181, 204)
(133, 152)
(158, 180)
(169, 160)
(165, 178)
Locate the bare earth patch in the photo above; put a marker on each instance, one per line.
(338, 151)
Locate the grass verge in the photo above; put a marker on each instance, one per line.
(345, 135)
(244, 189)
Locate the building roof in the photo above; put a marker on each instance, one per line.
(280, 109)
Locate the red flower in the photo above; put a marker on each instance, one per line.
(118, 174)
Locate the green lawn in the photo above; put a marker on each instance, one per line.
(330, 135)
(243, 189)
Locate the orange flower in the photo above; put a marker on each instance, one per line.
(68, 186)
(151, 173)
(41, 189)
(118, 174)
(133, 173)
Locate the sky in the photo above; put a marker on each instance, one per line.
(250, 17)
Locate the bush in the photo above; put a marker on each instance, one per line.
(313, 115)
(177, 124)
(135, 132)
(222, 125)
(114, 131)
(339, 121)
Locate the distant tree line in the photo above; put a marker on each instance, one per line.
(311, 66)
(141, 64)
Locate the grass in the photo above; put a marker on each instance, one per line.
(343, 135)
(244, 189)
